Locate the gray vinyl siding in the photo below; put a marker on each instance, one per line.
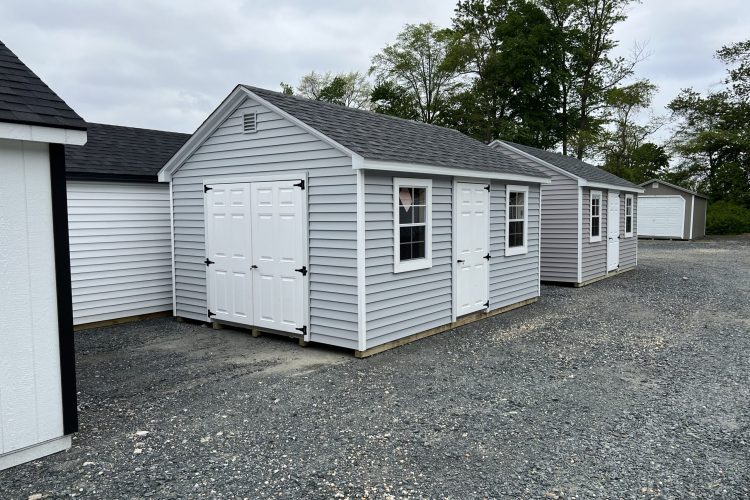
(593, 255)
(628, 244)
(699, 217)
(699, 212)
(516, 277)
(120, 249)
(279, 146)
(401, 304)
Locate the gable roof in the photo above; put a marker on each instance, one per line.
(26, 99)
(113, 152)
(574, 166)
(674, 186)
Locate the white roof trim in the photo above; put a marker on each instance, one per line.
(611, 187)
(416, 168)
(534, 158)
(40, 133)
(669, 184)
(234, 99)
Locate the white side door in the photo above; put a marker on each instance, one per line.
(613, 230)
(472, 244)
(278, 244)
(228, 265)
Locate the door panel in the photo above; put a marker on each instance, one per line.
(613, 231)
(472, 243)
(228, 238)
(662, 216)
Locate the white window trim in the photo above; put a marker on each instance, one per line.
(414, 264)
(525, 248)
(592, 195)
(632, 218)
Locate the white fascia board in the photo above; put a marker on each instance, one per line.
(415, 168)
(535, 159)
(39, 133)
(612, 187)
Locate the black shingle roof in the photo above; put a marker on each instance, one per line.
(387, 138)
(123, 153)
(575, 166)
(25, 98)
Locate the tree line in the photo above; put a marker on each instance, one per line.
(543, 73)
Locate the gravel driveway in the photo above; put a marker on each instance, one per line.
(636, 386)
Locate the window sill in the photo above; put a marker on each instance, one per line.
(595, 240)
(516, 251)
(411, 265)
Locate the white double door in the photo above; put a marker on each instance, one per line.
(472, 245)
(255, 237)
(613, 230)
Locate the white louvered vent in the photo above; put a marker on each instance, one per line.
(250, 123)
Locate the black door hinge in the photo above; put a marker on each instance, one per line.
(487, 187)
(208, 262)
(254, 266)
(488, 256)
(303, 330)
(460, 261)
(302, 270)
(206, 189)
(300, 184)
(210, 313)
(487, 304)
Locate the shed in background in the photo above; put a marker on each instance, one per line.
(672, 212)
(119, 220)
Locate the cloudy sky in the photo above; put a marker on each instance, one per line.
(167, 64)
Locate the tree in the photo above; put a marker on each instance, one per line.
(347, 89)
(415, 64)
(389, 98)
(286, 89)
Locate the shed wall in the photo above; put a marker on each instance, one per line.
(279, 146)
(699, 217)
(593, 254)
(664, 190)
(120, 249)
(628, 244)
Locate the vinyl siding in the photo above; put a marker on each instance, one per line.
(629, 244)
(120, 249)
(699, 218)
(593, 255)
(279, 146)
(401, 304)
(516, 277)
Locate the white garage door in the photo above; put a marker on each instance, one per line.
(661, 216)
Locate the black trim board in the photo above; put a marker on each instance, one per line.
(64, 294)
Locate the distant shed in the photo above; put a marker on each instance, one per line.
(669, 211)
(119, 222)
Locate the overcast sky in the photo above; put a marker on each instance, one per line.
(167, 64)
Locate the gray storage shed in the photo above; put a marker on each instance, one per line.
(669, 211)
(347, 227)
(119, 223)
(580, 243)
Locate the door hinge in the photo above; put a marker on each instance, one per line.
(254, 266)
(487, 304)
(300, 184)
(208, 261)
(206, 189)
(460, 261)
(302, 270)
(487, 187)
(210, 313)
(303, 330)
(488, 256)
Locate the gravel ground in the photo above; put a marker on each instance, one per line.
(636, 386)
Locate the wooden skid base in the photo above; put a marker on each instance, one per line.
(463, 320)
(608, 275)
(119, 321)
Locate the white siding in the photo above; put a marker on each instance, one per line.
(120, 250)
(279, 146)
(30, 386)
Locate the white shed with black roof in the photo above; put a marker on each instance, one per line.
(346, 227)
(119, 222)
(37, 361)
(589, 218)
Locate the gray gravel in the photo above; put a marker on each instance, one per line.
(636, 386)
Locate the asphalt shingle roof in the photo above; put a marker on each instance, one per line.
(575, 166)
(386, 138)
(123, 152)
(26, 99)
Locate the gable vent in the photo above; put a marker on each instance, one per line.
(250, 123)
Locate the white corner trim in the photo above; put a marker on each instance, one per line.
(535, 159)
(580, 233)
(539, 247)
(592, 195)
(416, 168)
(171, 235)
(454, 250)
(692, 211)
(39, 133)
(361, 264)
(414, 264)
(525, 248)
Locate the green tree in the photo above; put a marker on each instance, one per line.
(347, 89)
(413, 69)
(389, 98)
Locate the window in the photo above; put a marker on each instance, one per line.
(596, 216)
(413, 224)
(628, 215)
(517, 220)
